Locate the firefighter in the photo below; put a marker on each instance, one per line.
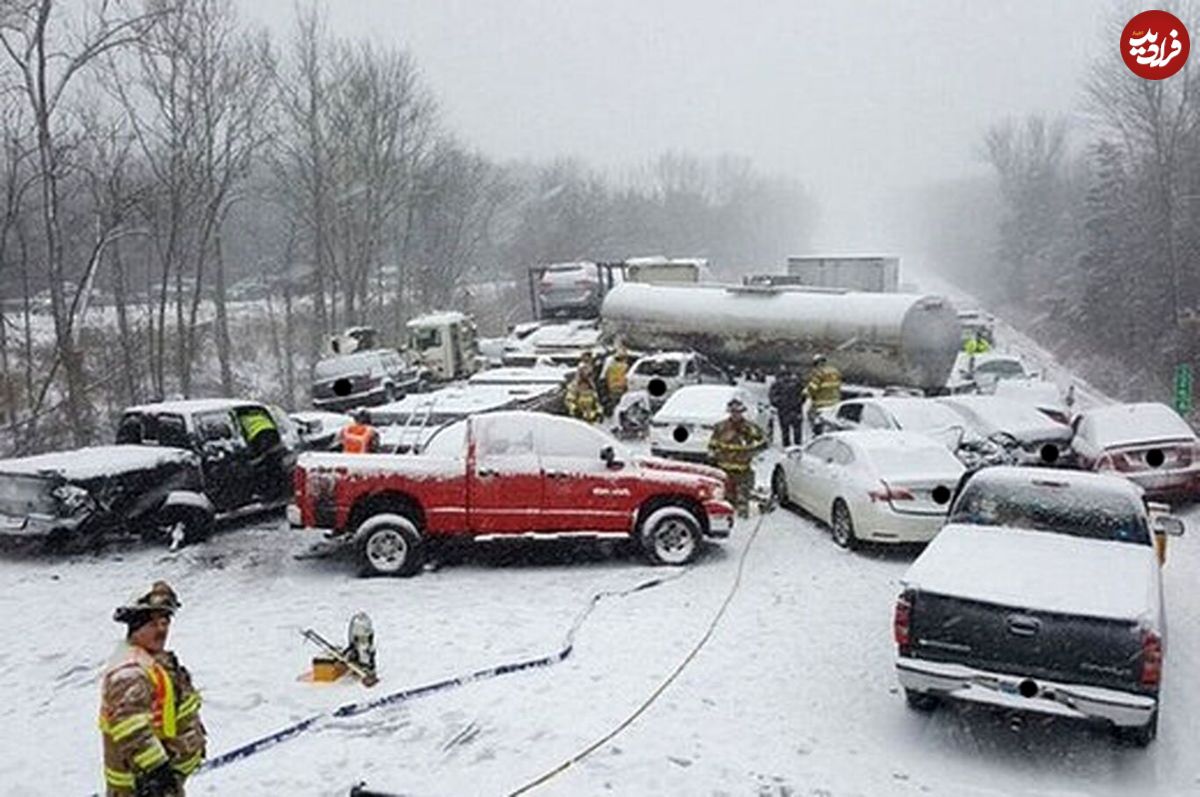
(581, 399)
(733, 444)
(976, 344)
(616, 377)
(824, 387)
(360, 437)
(149, 710)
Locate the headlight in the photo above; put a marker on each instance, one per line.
(72, 499)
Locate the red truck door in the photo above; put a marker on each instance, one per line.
(582, 493)
(504, 476)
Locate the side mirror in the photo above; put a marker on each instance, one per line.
(610, 457)
(1169, 525)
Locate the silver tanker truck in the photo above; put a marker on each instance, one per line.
(874, 338)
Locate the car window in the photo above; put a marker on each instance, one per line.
(821, 449)
(564, 438)
(850, 412)
(690, 368)
(172, 431)
(666, 368)
(215, 426)
(131, 430)
(503, 436)
(450, 441)
(422, 339)
(1048, 505)
(874, 417)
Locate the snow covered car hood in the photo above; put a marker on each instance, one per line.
(1042, 571)
(83, 464)
(677, 466)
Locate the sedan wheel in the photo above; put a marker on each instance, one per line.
(843, 526)
(779, 488)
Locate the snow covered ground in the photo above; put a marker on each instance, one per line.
(793, 694)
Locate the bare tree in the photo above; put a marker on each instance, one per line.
(199, 94)
(48, 58)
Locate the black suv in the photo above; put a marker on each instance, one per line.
(363, 379)
(72, 499)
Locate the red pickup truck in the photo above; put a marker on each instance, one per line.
(503, 475)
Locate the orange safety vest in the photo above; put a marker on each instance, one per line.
(162, 710)
(359, 438)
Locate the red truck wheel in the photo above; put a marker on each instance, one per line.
(670, 535)
(388, 545)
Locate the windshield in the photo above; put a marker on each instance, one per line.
(923, 415)
(422, 339)
(664, 368)
(1046, 505)
(1001, 369)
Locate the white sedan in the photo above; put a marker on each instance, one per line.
(871, 486)
(682, 428)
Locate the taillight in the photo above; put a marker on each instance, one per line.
(1112, 461)
(299, 482)
(1151, 659)
(890, 494)
(900, 622)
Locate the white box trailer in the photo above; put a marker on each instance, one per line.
(874, 273)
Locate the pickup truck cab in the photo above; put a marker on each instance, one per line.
(508, 475)
(1042, 593)
(243, 473)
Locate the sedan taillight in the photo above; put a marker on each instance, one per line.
(891, 494)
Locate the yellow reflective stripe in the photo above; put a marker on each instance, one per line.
(150, 757)
(128, 726)
(189, 766)
(118, 778)
(189, 706)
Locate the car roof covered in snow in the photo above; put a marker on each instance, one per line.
(541, 374)
(458, 399)
(701, 401)
(1057, 477)
(887, 439)
(90, 463)
(189, 406)
(668, 356)
(1004, 413)
(436, 319)
(1129, 424)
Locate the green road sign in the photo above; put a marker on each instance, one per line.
(1183, 388)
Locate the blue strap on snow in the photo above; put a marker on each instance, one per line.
(355, 709)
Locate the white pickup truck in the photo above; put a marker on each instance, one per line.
(1042, 593)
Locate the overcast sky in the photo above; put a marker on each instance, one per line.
(858, 99)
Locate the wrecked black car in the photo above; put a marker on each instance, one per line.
(74, 499)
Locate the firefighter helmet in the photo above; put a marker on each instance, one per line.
(160, 598)
(735, 405)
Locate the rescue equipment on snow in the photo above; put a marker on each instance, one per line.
(367, 676)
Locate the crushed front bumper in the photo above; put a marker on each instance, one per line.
(959, 682)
